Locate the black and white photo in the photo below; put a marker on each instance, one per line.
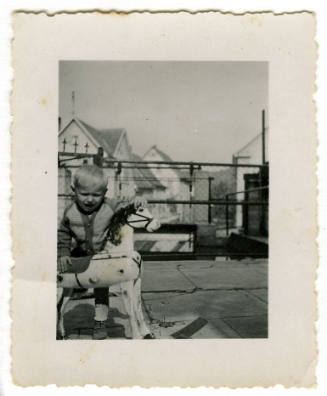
(164, 199)
(190, 141)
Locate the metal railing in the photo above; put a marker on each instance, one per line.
(201, 205)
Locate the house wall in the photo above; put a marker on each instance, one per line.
(120, 186)
(201, 192)
(184, 211)
(71, 133)
(168, 177)
(125, 186)
(64, 187)
(250, 154)
(110, 173)
(175, 189)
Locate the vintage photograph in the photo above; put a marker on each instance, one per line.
(163, 200)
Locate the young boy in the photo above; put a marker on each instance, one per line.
(86, 222)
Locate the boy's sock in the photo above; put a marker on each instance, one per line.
(101, 313)
(101, 301)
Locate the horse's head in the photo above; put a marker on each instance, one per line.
(135, 218)
(143, 218)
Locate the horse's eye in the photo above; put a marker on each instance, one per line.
(140, 210)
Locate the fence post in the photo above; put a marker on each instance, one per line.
(118, 178)
(263, 138)
(191, 192)
(226, 215)
(210, 178)
(262, 208)
(98, 158)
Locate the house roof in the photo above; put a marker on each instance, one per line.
(163, 155)
(144, 178)
(106, 138)
(248, 144)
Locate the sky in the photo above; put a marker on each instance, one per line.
(193, 111)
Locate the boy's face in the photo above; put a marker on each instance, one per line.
(89, 195)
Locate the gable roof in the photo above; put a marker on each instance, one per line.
(144, 178)
(248, 144)
(106, 138)
(163, 155)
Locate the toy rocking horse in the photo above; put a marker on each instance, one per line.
(117, 264)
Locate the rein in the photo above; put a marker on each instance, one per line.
(120, 218)
(142, 218)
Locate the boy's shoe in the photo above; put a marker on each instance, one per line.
(149, 336)
(100, 330)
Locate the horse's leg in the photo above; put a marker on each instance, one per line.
(60, 292)
(66, 293)
(128, 296)
(137, 306)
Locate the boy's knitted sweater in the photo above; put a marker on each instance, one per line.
(88, 231)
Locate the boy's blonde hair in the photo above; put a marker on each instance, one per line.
(89, 173)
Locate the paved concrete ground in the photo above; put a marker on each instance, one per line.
(188, 299)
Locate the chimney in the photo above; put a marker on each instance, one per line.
(59, 123)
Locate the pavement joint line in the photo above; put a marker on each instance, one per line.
(185, 276)
(209, 318)
(185, 291)
(240, 316)
(197, 289)
(231, 327)
(248, 292)
(183, 266)
(147, 311)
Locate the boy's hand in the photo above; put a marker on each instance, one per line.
(140, 202)
(64, 263)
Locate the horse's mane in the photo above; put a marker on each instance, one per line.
(117, 221)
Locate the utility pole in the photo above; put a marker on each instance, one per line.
(73, 104)
(263, 138)
(262, 208)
